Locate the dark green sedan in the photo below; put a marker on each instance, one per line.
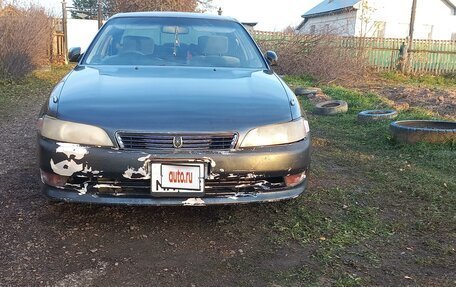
(173, 109)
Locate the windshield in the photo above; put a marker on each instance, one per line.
(168, 41)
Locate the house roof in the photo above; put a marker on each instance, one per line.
(251, 24)
(452, 3)
(333, 6)
(330, 6)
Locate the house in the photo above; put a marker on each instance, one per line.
(250, 26)
(435, 19)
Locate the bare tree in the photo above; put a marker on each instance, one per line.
(319, 56)
(117, 6)
(289, 30)
(365, 17)
(111, 7)
(25, 37)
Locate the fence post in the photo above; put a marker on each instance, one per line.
(408, 59)
(65, 32)
(403, 57)
(99, 14)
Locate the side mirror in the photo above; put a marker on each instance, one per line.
(74, 54)
(271, 57)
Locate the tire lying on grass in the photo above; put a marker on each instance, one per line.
(307, 91)
(376, 115)
(331, 108)
(424, 131)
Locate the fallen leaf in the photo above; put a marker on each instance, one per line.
(408, 277)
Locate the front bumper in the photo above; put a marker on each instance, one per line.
(69, 196)
(235, 177)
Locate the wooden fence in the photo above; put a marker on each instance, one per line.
(56, 50)
(383, 54)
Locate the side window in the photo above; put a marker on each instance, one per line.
(313, 29)
(380, 29)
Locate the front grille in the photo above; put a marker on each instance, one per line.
(147, 141)
(229, 186)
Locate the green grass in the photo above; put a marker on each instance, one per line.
(368, 200)
(295, 81)
(421, 80)
(367, 189)
(14, 93)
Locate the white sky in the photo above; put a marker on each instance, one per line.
(271, 15)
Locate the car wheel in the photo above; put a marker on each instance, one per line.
(331, 108)
(376, 115)
(424, 131)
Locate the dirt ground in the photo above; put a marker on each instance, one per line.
(442, 101)
(58, 244)
(53, 244)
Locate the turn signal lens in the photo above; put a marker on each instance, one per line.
(294, 180)
(39, 124)
(53, 179)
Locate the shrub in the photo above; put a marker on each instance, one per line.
(319, 56)
(25, 34)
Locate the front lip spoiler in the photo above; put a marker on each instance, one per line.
(69, 196)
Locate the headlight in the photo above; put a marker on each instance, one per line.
(70, 132)
(277, 134)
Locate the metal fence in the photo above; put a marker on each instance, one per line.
(383, 54)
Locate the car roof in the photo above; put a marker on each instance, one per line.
(174, 15)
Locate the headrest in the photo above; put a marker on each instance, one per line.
(213, 45)
(140, 44)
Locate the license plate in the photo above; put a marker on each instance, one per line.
(177, 178)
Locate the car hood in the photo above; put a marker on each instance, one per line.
(170, 99)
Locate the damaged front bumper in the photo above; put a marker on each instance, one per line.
(68, 196)
(110, 176)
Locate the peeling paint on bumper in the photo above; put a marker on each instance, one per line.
(68, 196)
(110, 167)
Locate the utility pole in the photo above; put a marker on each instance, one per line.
(410, 37)
(100, 14)
(412, 20)
(65, 31)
